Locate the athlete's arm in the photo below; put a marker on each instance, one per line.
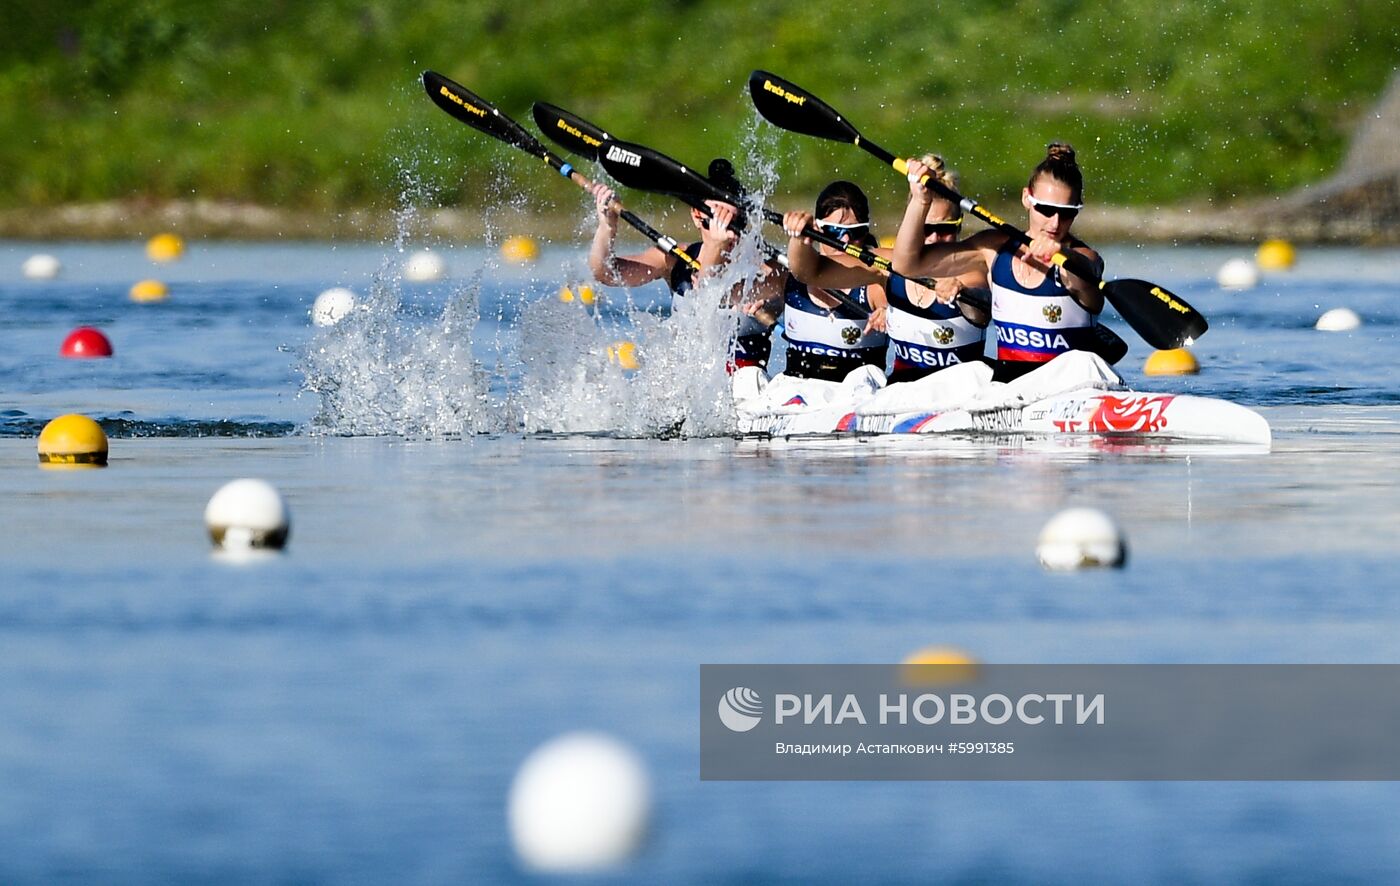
(620, 270)
(1086, 292)
(913, 257)
(879, 308)
(815, 269)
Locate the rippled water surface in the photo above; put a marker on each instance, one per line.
(455, 592)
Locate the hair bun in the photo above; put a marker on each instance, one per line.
(1059, 152)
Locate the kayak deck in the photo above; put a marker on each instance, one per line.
(1098, 405)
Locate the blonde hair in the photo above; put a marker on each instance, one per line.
(941, 173)
(944, 176)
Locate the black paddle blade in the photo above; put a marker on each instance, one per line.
(1108, 345)
(638, 166)
(478, 113)
(570, 132)
(789, 106)
(1162, 319)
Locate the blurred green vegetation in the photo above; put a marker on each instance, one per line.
(318, 105)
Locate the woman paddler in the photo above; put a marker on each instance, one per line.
(927, 328)
(1040, 309)
(752, 343)
(826, 338)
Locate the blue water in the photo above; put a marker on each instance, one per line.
(354, 709)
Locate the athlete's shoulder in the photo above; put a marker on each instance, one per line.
(990, 239)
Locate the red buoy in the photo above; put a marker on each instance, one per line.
(85, 342)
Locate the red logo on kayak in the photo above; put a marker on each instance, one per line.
(1123, 415)
(1139, 415)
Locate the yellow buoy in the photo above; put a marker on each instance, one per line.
(624, 354)
(72, 441)
(165, 247)
(938, 665)
(1276, 255)
(149, 290)
(887, 242)
(520, 249)
(1176, 361)
(582, 292)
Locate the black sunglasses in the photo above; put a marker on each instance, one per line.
(1067, 213)
(943, 227)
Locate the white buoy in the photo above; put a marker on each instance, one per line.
(1078, 538)
(580, 802)
(1338, 320)
(41, 267)
(332, 306)
(246, 514)
(424, 266)
(1237, 273)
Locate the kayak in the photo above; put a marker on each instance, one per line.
(1075, 394)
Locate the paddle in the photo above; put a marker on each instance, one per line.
(481, 115)
(645, 169)
(640, 167)
(577, 135)
(1161, 318)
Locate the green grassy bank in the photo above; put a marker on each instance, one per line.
(317, 105)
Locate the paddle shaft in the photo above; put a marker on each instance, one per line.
(1074, 262)
(869, 258)
(481, 115)
(1160, 317)
(663, 242)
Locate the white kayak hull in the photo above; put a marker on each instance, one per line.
(1115, 413)
(1093, 409)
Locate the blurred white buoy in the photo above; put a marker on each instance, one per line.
(1338, 320)
(580, 802)
(332, 306)
(1078, 538)
(41, 267)
(424, 266)
(1237, 273)
(247, 514)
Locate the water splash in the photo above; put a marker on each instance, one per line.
(568, 384)
(380, 372)
(384, 371)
